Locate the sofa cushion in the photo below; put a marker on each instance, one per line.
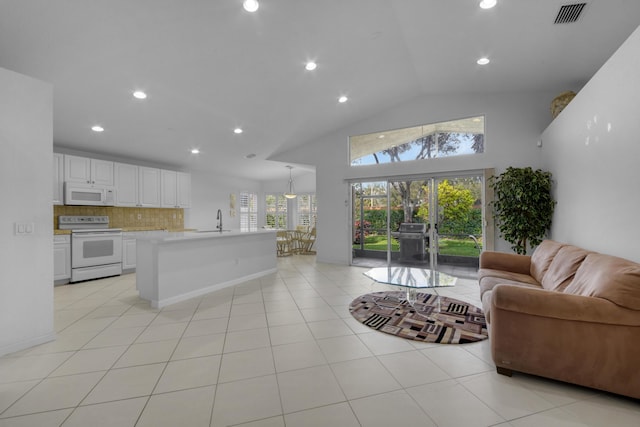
(612, 278)
(563, 267)
(542, 257)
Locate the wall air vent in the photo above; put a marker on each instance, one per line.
(569, 13)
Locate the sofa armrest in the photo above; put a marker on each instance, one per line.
(582, 340)
(558, 305)
(505, 261)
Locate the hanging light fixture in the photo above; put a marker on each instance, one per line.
(290, 194)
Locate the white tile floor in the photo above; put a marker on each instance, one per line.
(279, 351)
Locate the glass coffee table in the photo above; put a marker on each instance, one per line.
(411, 280)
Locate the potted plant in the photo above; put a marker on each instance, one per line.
(523, 206)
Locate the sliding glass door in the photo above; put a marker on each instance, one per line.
(419, 221)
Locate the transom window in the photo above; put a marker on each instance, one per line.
(444, 139)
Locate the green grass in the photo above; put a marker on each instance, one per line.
(378, 243)
(448, 246)
(466, 247)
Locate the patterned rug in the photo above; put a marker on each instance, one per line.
(432, 318)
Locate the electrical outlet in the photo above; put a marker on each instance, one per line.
(139, 216)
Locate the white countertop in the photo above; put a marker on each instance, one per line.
(181, 236)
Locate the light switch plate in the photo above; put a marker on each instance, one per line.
(24, 228)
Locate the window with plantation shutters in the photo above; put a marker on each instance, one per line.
(248, 211)
(306, 210)
(276, 206)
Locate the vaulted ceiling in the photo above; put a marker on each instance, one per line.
(209, 67)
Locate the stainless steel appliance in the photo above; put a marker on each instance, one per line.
(88, 194)
(96, 249)
(412, 238)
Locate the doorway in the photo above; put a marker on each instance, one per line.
(446, 209)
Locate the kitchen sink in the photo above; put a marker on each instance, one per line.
(211, 231)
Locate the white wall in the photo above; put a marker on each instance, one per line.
(514, 122)
(593, 150)
(210, 192)
(26, 276)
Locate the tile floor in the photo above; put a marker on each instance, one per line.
(279, 351)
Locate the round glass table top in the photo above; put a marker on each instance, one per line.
(410, 277)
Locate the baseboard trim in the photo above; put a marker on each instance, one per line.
(183, 297)
(22, 345)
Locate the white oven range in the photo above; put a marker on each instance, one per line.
(96, 249)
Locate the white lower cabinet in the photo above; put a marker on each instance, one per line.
(129, 247)
(61, 258)
(128, 251)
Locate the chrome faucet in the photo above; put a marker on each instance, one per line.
(219, 218)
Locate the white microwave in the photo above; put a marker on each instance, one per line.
(88, 194)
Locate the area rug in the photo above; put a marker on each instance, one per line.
(432, 318)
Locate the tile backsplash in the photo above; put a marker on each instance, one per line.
(121, 217)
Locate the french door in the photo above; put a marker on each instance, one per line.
(450, 207)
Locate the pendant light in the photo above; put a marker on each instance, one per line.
(290, 194)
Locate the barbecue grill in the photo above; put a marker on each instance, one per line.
(412, 238)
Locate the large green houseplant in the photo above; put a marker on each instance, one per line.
(523, 206)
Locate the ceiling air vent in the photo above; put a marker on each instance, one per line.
(569, 13)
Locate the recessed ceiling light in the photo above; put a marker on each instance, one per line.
(310, 66)
(195, 151)
(487, 4)
(380, 136)
(483, 61)
(343, 99)
(250, 156)
(139, 94)
(97, 128)
(237, 130)
(250, 5)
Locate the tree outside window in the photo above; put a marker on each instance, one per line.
(276, 211)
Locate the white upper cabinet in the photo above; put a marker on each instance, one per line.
(137, 186)
(184, 189)
(148, 187)
(88, 171)
(58, 178)
(169, 189)
(126, 179)
(102, 172)
(176, 189)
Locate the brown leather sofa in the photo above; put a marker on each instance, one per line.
(564, 313)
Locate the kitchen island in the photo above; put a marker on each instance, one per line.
(181, 265)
